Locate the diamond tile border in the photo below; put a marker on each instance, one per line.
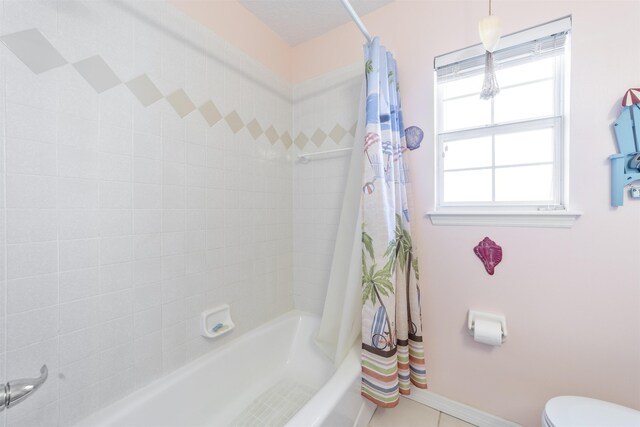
(301, 140)
(181, 102)
(34, 50)
(210, 113)
(353, 129)
(286, 139)
(272, 135)
(97, 73)
(319, 136)
(234, 121)
(337, 133)
(143, 88)
(254, 129)
(39, 55)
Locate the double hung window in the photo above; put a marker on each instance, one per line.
(508, 153)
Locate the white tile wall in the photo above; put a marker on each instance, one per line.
(120, 223)
(320, 103)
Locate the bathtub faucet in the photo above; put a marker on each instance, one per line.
(16, 391)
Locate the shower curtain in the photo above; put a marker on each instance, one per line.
(373, 286)
(341, 322)
(392, 351)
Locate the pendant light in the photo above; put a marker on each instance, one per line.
(489, 28)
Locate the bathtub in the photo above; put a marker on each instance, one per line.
(272, 375)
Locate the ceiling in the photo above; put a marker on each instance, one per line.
(297, 21)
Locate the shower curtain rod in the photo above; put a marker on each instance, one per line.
(356, 19)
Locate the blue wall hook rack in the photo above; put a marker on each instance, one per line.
(625, 166)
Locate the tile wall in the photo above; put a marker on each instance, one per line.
(321, 106)
(120, 222)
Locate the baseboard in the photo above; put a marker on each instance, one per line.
(458, 410)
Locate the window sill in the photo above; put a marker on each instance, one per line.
(543, 219)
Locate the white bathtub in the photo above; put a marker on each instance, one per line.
(272, 375)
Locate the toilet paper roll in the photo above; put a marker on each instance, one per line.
(487, 332)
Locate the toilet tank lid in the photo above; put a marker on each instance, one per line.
(575, 411)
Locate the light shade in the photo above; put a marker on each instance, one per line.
(490, 28)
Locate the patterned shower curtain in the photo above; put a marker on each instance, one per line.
(392, 351)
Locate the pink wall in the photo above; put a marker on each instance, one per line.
(233, 22)
(571, 297)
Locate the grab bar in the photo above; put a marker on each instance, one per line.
(304, 158)
(16, 391)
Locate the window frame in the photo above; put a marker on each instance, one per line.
(512, 213)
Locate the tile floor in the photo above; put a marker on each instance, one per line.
(413, 414)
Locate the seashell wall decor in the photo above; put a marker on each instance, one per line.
(490, 253)
(413, 136)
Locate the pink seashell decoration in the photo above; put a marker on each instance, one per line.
(490, 253)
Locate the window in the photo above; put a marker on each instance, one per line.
(506, 155)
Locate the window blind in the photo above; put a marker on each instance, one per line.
(544, 40)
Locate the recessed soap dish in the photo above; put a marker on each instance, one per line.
(216, 321)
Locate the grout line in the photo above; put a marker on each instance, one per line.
(3, 236)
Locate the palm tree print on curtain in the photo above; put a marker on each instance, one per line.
(392, 351)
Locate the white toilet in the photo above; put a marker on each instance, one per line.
(575, 411)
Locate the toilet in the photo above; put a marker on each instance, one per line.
(575, 411)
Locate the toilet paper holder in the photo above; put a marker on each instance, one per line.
(477, 315)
